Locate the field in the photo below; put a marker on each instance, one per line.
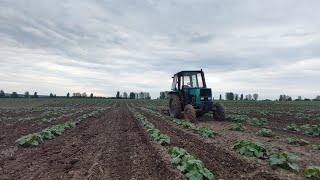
(136, 139)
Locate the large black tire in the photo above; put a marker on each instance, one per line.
(218, 112)
(175, 106)
(190, 113)
(199, 113)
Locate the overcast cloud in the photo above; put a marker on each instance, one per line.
(101, 46)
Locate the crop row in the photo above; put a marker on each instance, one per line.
(36, 139)
(192, 168)
(282, 159)
(265, 132)
(203, 131)
(312, 130)
(150, 128)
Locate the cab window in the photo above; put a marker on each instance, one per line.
(194, 81)
(174, 83)
(186, 82)
(199, 78)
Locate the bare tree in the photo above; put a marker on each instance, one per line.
(255, 96)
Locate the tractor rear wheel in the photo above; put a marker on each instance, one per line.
(218, 113)
(200, 113)
(175, 106)
(190, 113)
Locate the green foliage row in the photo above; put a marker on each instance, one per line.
(93, 114)
(203, 131)
(292, 127)
(35, 139)
(302, 116)
(312, 172)
(255, 149)
(316, 146)
(193, 168)
(284, 160)
(312, 130)
(258, 122)
(297, 141)
(238, 118)
(153, 132)
(265, 132)
(244, 118)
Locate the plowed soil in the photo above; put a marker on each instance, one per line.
(216, 156)
(220, 158)
(113, 146)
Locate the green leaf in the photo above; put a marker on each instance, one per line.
(236, 127)
(293, 167)
(265, 132)
(46, 134)
(276, 160)
(192, 167)
(206, 132)
(194, 175)
(316, 146)
(249, 148)
(177, 152)
(312, 172)
(175, 160)
(284, 160)
(206, 173)
(70, 124)
(297, 141)
(30, 140)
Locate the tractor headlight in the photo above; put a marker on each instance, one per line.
(209, 98)
(202, 98)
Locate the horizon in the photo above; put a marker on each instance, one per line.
(101, 47)
(215, 96)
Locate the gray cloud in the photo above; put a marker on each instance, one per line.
(103, 46)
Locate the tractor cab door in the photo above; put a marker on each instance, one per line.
(191, 84)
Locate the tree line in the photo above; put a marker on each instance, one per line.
(232, 96)
(51, 95)
(133, 95)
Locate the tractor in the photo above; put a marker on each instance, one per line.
(191, 98)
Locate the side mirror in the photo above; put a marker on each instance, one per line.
(172, 77)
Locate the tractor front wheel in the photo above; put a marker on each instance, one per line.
(190, 113)
(218, 112)
(175, 106)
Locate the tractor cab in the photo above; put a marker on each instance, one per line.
(189, 91)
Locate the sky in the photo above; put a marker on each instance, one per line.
(267, 47)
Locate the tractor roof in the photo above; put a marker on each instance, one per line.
(182, 72)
